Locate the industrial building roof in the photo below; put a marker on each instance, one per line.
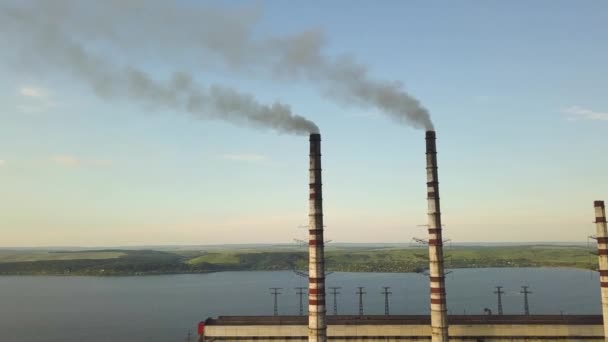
(408, 319)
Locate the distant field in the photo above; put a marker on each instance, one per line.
(21, 256)
(391, 259)
(403, 260)
(225, 258)
(343, 259)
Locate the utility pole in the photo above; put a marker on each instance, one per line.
(335, 293)
(275, 292)
(386, 293)
(360, 293)
(301, 294)
(499, 292)
(526, 293)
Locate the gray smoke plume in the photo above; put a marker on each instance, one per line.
(46, 43)
(345, 80)
(212, 37)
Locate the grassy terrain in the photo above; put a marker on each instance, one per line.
(227, 258)
(348, 259)
(407, 259)
(404, 260)
(18, 256)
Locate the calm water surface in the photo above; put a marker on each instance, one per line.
(164, 308)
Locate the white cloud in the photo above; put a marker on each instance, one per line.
(66, 160)
(246, 157)
(33, 92)
(24, 108)
(2, 162)
(35, 99)
(73, 161)
(575, 113)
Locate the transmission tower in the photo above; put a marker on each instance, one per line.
(425, 242)
(301, 293)
(335, 293)
(360, 293)
(524, 290)
(275, 292)
(386, 293)
(499, 292)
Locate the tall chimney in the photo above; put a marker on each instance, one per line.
(317, 327)
(602, 253)
(439, 313)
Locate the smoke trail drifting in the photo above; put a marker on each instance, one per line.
(47, 43)
(213, 37)
(345, 80)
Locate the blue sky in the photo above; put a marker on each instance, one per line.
(516, 91)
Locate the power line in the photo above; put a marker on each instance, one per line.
(275, 292)
(360, 293)
(526, 293)
(499, 292)
(335, 293)
(386, 293)
(301, 293)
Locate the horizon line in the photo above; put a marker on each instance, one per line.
(288, 244)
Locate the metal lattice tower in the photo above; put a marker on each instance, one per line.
(524, 290)
(275, 292)
(386, 293)
(335, 293)
(499, 292)
(360, 292)
(301, 293)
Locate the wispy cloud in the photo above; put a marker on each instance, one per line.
(35, 99)
(246, 157)
(575, 113)
(33, 91)
(67, 160)
(2, 162)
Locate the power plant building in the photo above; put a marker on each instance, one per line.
(318, 327)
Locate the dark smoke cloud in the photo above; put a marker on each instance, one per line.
(345, 80)
(47, 42)
(220, 37)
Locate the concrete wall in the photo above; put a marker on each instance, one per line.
(411, 332)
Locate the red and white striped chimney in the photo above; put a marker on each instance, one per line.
(602, 253)
(317, 327)
(439, 313)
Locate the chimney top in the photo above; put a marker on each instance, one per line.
(599, 204)
(315, 137)
(430, 134)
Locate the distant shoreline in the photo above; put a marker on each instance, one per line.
(286, 245)
(362, 258)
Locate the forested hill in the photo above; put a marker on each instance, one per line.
(348, 259)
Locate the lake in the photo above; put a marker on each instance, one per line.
(165, 308)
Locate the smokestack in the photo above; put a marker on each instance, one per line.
(317, 327)
(439, 315)
(602, 254)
